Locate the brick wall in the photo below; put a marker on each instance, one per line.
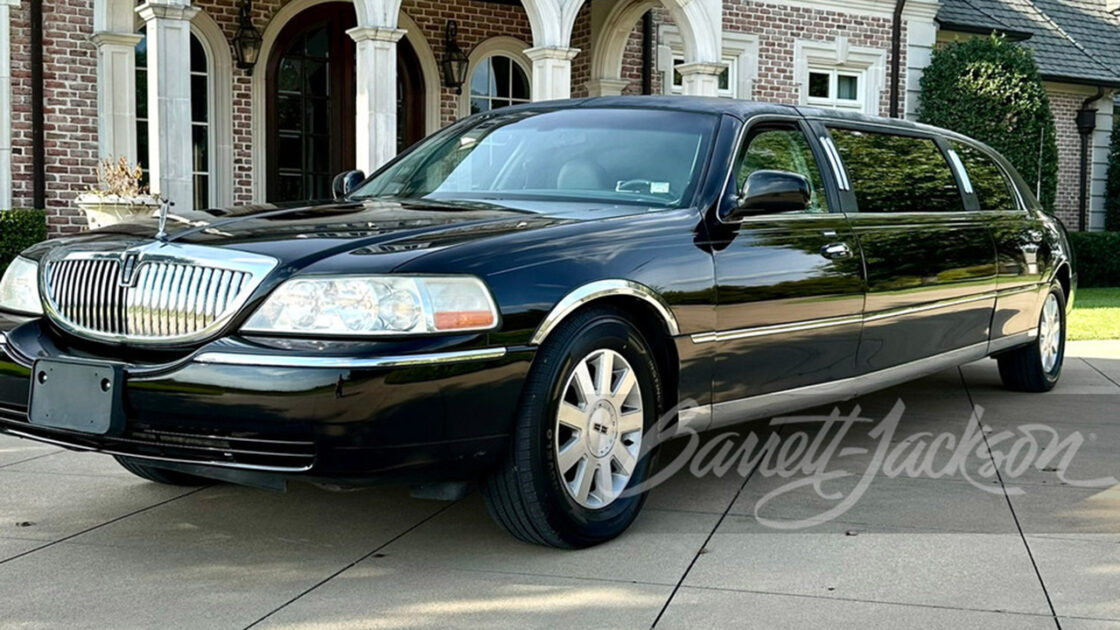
(778, 27)
(70, 108)
(1064, 105)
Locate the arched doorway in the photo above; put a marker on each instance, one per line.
(310, 102)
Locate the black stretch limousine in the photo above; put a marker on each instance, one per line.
(520, 297)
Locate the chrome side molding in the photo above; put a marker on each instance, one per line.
(346, 363)
(601, 289)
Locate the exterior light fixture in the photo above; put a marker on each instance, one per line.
(247, 41)
(455, 63)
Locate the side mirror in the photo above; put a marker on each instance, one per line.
(344, 183)
(767, 192)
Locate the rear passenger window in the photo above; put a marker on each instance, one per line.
(890, 173)
(993, 191)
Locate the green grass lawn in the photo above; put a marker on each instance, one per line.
(1096, 315)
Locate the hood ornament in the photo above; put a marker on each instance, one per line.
(164, 206)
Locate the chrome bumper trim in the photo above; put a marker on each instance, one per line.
(194, 462)
(345, 363)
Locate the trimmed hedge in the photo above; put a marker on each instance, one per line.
(990, 89)
(1095, 257)
(1112, 189)
(20, 229)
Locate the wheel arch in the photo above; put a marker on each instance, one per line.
(646, 309)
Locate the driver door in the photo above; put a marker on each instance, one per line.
(790, 286)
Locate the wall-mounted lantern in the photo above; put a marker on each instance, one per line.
(247, 41)
(455, 62)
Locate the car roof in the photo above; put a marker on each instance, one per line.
(742, 109)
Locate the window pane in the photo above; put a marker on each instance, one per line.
(479, 105)
(142, 51)
(520, 83)
(142, 143)
(897, 173)
(678, 78)
(480, 80)
(318, 78)
(847, 88)
(318, 115)
(200, 101)
(317, 43)
(725, 79)
(784, 150)
(200, 148)
(287, 112)
(290, 188)
(141, 93)
(201, 191)
(198, 55)
(290, 153)
(818, 84)
(288, 76)
(501, 76)
(988, 182)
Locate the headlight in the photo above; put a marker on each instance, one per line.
(19, 290)
(362, 306)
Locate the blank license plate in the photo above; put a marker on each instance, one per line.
(76, 395)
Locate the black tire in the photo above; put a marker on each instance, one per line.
(524, 495)
(1023, 369)
(160, 475)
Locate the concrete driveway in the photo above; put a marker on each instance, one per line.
(937, 539)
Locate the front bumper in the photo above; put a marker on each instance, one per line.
(432, 413)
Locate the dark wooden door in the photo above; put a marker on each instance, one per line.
(311, 100)
(411, 123)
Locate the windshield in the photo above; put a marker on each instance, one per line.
(629, 156)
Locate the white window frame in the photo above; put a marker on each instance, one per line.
(837, 58)
(502, 46)
(833, 99)
(739, 52)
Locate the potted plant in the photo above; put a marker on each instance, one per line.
(120, 196)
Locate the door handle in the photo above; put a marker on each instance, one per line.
(836, 251)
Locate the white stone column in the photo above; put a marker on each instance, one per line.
(376, 78)
(116, 94)
(606, 87)
(6, 103)
(701, 78)
(169, 99)
(552, 72)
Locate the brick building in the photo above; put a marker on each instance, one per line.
(339, 84)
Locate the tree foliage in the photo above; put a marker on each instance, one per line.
(990, 89)
(19, 229)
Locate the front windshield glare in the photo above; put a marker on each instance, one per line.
(628, 156)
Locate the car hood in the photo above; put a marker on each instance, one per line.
(298, 235)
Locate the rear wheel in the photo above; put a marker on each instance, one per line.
(160, 475)
(590, 398)
(1038, 366)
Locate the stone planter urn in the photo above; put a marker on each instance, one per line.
(104, 210)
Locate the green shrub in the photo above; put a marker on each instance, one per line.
(990, 89)
(1112, 190)
(1096, 259)
(20, 229)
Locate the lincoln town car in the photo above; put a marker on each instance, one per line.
(517, 301)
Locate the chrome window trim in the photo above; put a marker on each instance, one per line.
(838, 170)
(256, 266)
(601, 289)
(346, 363)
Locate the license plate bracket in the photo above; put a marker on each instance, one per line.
(83, 396)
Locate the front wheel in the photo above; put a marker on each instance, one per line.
(1038, 366)
(591, 396)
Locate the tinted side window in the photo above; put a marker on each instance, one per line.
(992, 189)
(892, 173)
(783, 149)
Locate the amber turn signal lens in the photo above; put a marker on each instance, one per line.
(453, 320)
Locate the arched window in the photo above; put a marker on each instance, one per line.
(201, 135)
(498, 80)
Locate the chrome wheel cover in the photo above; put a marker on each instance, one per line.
(598, 432)
(1050, 333)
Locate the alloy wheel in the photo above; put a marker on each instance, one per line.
(1050, 333)
(598, 432)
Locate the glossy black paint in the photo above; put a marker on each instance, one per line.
(717, 274)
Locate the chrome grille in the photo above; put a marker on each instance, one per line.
(167, 296)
